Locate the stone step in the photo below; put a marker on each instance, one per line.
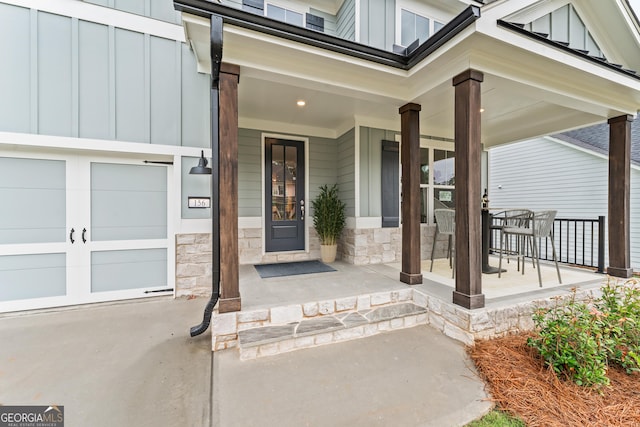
(327, 329)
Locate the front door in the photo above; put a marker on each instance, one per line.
(284, 199)
(76, 229)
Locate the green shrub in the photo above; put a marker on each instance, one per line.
(620, 308)
(580, 340)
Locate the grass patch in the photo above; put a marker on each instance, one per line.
(497, 418)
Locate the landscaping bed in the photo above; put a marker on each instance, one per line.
(521, 385)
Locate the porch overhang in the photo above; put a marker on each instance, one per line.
(530, 89)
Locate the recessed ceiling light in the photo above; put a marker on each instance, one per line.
(301, 103)
(482, 110)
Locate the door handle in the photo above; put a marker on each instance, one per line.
(302, 210)
(71, 236)
(84, 231)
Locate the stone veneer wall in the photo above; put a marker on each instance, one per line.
(357, 246)
(193, 264)
(452, 320)
(381, 245)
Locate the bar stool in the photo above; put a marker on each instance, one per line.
(446, 225)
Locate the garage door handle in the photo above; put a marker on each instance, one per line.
(71, 236)
(84, 231)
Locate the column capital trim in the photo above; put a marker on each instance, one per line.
(469, 74)
(623, 118)
(228, 68)
(409, 107)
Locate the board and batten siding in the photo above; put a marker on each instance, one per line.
(370, 169)
(156, 9)
(76, 78)
(377, 23)
(545, 174)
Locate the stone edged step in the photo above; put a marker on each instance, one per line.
(327, 329)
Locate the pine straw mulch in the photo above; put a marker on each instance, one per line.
(521, 385)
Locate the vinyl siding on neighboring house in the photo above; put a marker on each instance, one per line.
(89, 80)
(544, 174)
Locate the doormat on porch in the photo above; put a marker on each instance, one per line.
(292, 268)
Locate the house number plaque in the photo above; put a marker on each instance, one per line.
(199, 202)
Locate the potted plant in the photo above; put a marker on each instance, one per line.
(328, 220)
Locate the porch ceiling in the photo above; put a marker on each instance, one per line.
(530, 89)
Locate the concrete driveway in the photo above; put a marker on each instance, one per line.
(125, 364)
(134, 364)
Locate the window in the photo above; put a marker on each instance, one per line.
(413, 27)
(285, 15)
(437, 181)
(416, 27)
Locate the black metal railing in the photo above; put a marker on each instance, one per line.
(577, 241)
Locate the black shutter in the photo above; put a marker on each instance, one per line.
(253, 6)
(315, 22)
(390, 184)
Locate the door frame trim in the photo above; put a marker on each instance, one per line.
(305, 141)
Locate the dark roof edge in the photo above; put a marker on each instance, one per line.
(295, 33)
(586, 146)
(516, 28)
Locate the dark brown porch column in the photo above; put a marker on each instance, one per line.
(468, 244)
(410, 157)
(619, 196)
(229, 286)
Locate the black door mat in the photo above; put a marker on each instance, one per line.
(292, 268)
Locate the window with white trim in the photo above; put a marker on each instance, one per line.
(437, 181)
(414, 27)
(285, 15)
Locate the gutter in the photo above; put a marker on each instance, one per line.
(320, 40)
(543, 38)
(216, 61)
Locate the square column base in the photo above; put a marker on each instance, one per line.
(228, 305)
(410, 278)
(625, 273)
(468, 301)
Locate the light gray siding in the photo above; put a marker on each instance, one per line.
(346, 20)
(323, 157)
(543, 174)
(565, 25)
(330, 21)
(370, 169)
(157, 9)
(377, 23)
(70, 77)
(346, 170)
(249, 173)
(15, 81)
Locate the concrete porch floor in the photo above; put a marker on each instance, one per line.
(351, 280)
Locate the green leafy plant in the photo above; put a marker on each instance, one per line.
(328, 214)
(620, 308)
(569, 341)
(581, 339)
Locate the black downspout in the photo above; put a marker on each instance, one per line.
(216, 61)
